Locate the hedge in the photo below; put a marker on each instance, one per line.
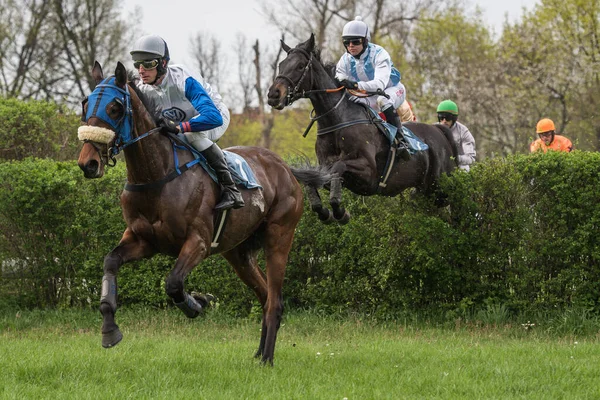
(38, 129)
(521, 232)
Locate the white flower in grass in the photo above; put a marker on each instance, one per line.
(318, 353)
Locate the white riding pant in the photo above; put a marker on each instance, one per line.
(203, 140)
(397, 96)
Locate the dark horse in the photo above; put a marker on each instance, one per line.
(356, 154)
(169, 208)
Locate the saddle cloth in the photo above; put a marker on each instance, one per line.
(414, 143)
(241, 172)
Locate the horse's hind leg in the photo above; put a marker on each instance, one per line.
(243, 260)
(129, 249)
(277, 245)
(317, 205)
(193, 251)
(335, 200)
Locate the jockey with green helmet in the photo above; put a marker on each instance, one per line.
(367, 66)
(447, 113)
(185, 103)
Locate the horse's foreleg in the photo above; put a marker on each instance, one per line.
(335, 200)
(193, 251)
(129, 249)
(317, 205)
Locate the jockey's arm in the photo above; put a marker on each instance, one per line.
(208, 116)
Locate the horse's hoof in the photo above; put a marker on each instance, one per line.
(205, 299)
(344, 219)
(326, 216)
(111, 339)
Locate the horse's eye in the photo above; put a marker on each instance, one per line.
(301, 66)
(114, 109)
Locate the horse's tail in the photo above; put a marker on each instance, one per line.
(448, 134)
(314, 176)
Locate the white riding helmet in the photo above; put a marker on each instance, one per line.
(356, 28)
(149, 47)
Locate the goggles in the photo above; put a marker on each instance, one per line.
(355, 42)
(446, 116)
(546, 134)
(148, 64)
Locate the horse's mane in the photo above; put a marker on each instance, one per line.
(132, 79)
(328, 65)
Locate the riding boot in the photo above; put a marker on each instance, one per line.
(230, 195)
(392, 118)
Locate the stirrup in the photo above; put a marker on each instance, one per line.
(402, 150)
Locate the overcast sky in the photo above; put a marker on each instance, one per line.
(178, 20)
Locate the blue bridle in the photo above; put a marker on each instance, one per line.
(105, 93)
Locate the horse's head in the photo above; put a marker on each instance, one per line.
(108, 121)
(295, 74)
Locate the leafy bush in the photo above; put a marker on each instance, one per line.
(520, 236)
(37, 129)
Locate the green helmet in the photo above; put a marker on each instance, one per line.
(448, 106)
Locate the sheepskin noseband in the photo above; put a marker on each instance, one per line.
(95, 134)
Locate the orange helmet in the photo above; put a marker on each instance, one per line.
(544, 125)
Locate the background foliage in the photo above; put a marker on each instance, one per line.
(519, 233)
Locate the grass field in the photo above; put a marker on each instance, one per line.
(57, 355)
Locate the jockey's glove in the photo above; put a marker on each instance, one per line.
(168, 125)
(348, 84)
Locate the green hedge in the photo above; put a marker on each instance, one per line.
(520, 232)
(36, 128)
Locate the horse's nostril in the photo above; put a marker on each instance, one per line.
(90, 169)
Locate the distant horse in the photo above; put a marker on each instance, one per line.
(349, 143)
(168, 207)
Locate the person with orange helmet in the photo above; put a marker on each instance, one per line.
(548, 139)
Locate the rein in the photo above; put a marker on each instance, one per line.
(295, 94)
(120, 133)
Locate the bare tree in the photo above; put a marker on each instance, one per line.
(88, 30)
(298, 18)
(207, 54)
(246, 72)
(24, 40)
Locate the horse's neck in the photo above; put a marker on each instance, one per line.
(151, 158)
(330, 108)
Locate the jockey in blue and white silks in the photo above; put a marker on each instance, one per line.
(367, 66)
(189, 100)
(186, 104)
(373, 70)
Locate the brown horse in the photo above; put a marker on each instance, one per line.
(349, 143)
(168, 207)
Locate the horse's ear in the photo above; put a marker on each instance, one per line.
(120, 75)
(311, 42)
(285, 47)
(97, 72)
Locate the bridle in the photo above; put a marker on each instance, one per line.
(295, 93)
(105, 93)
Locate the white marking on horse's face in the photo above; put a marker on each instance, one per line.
(258, 200)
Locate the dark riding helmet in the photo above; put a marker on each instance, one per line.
(152, 47)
